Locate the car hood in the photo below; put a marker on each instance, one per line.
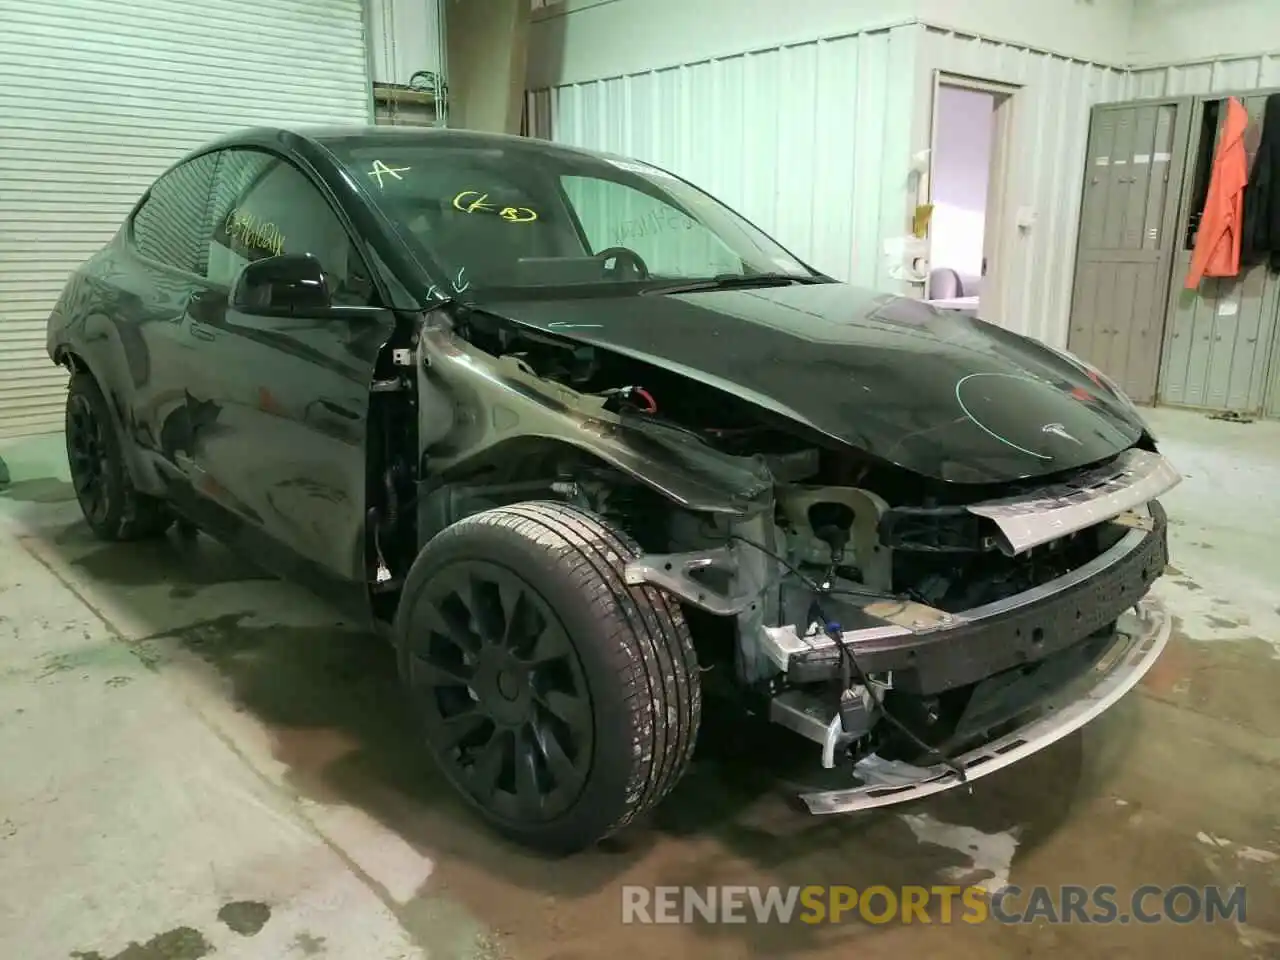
(935, 392)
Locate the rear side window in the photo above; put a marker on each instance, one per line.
(172, 226)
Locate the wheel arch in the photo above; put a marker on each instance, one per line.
(143, 475)
(535, 457)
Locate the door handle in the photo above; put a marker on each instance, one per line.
(201, 332)
(205, 305)
(339, 410)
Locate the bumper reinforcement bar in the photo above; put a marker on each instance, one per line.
(966, 646)
(1140, 637)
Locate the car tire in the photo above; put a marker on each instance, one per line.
(595, 717)
(112, 506)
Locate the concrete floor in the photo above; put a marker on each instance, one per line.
(199, 759)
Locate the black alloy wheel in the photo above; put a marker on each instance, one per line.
(559, 700)
(88, 458)
(503, 693)
(113, 508)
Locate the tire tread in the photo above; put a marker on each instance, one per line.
(650, 647)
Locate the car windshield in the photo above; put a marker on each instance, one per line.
(521, 220)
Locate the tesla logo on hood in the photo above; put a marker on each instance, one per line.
(1058, 430)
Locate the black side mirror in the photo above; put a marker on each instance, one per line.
(292, 284)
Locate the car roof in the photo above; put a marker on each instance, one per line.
(358, 136)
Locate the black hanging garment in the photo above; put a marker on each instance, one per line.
(1260, 241)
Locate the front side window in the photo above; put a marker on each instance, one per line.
(521, 219)
(172, 225)
(263, 206)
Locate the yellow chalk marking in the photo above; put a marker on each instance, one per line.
(469, 201)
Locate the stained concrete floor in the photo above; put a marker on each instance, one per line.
(198, 759)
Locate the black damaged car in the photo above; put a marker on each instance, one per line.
(572, 434)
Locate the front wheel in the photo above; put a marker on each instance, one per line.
(558, 700)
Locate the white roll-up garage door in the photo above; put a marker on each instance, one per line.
(97, 97)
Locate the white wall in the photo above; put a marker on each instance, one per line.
(403, 37)
(487, 45)
(750, 100)
(1050, 131)
(1214, 76)
(809, 141)
(1177, 31)
(958, 178)
(1092, 30)
(577, 40)
(1117, 33)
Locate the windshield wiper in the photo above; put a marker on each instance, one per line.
(734, 281)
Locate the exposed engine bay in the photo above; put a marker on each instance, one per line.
(892, 618)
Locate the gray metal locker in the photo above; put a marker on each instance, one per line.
(1128, 216)
(1220, 336)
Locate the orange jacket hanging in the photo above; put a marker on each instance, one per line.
(1217, 252)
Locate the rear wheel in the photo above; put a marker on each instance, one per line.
(558, 700)
(111, 505)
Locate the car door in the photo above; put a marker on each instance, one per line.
(284, 455)
(143, 301)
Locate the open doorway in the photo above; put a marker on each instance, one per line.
(972, 126)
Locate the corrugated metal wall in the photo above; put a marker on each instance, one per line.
(813, 142)
(1246, 73)
(808, 141)
(1051, 128)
